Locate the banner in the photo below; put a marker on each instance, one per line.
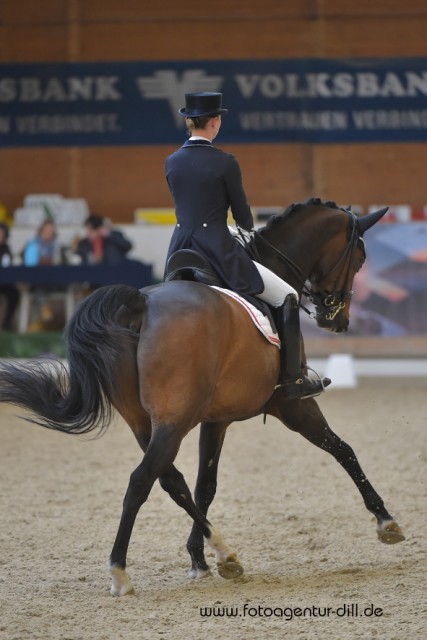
(136, 103)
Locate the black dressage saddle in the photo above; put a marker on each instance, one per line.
(187, 264)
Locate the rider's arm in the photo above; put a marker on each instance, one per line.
(237, 197)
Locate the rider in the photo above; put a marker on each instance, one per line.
(204, 182)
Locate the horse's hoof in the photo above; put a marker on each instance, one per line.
(124, 590)
(121, 584)
(197, 574)
(390, 533)
(230, 569)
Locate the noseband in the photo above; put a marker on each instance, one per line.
(328, 303)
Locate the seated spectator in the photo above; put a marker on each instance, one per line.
(42, 250)
(102, 244)
(9, 291)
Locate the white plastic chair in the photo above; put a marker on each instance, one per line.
(29, 216)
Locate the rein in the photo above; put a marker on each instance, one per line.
(327, 303)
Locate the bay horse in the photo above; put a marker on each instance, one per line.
(173, 355)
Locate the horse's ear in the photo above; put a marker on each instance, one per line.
(366, 222)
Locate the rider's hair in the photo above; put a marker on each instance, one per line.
(196, 123)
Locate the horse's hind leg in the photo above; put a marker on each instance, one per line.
(160, 451)
(227, 563)
(210, 445)
(307, 419)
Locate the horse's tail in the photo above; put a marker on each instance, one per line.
(78, 398)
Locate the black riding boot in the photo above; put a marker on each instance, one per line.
(292, 380)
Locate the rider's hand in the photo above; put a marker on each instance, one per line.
(247, 235)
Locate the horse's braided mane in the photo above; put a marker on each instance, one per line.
(297, 206)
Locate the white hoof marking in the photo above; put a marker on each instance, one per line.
(197, 574)
(389, 532)
(121, 584)
(228, 563)
(218, 546)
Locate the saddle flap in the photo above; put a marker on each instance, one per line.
(187, 264)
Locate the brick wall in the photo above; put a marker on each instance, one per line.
(115, 181)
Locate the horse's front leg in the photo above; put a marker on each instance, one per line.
(210, 445)
(306, 418)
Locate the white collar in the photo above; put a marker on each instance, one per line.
(200, 138)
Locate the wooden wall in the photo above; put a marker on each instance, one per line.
(116, 180)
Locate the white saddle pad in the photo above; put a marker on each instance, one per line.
(261, 321)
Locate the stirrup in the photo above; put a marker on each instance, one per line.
(294, 387)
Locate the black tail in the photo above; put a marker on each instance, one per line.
(77, 398)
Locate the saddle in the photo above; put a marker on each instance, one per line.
(187, 264)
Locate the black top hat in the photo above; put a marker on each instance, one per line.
(198, 105)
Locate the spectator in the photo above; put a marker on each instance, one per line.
(44, 248)
(9, 291)
(102, 244)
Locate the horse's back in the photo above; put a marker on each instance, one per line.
(198, 310)
(180, 293)
(199, 349)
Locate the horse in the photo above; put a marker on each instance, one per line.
(171, 356)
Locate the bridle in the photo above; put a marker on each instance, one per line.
(328, 303)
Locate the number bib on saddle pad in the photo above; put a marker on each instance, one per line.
(261, 321)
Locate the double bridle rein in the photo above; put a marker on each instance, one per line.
(328, 303)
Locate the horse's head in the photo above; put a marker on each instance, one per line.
(332, 280)
(323, 249)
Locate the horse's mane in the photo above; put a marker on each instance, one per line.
(295, 207)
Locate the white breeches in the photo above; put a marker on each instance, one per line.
(275, 289)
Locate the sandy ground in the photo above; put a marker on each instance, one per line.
(297, 521)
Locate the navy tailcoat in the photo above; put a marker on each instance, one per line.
(205, 182)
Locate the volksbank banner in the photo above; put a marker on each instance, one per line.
(316, 101)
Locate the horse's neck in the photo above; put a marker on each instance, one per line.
(296, 243)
